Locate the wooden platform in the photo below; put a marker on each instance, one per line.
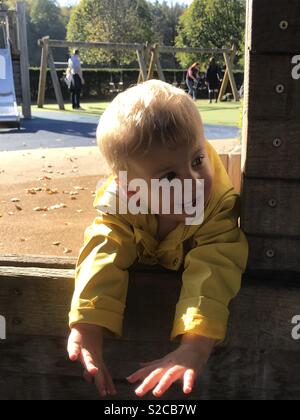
(259, 360)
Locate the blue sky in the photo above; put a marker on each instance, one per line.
(70, 2)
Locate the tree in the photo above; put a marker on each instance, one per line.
(211, 24)
(121, 21)
(44, 19)
(165, 19)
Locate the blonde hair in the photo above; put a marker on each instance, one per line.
(150, 112)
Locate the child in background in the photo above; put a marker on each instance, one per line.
(154, 131)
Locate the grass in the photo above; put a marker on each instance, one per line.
(222, 113)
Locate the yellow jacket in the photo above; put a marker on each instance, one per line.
(214, 255)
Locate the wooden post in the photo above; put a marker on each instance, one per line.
(154, 53)
(159, 69)
(142, 64)
(271, 132)
(55, 81)
(229, 76)
(146, 52)
(43, 72)
(24, 61)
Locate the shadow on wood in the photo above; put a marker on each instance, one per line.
(259, 359)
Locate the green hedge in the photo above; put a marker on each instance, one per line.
(97, 83)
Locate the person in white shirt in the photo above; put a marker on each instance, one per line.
(74, 66)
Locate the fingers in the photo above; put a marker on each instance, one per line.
(167, 380)
(74, 349)
(188, 380)
(150, 382)
(88, 362)
(140, 374)
(101, 383)
(109, 382)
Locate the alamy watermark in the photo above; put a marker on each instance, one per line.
(296, 329)
(187, 198)
(2, 328)
(296, 67)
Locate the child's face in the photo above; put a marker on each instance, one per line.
(188, 161)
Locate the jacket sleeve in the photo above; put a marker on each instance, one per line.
(101, 275)
(212, 273)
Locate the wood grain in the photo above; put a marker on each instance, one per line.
(271, 207)
(258, 360)
(266, 34)
(273, 149)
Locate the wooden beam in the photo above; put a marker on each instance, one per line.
(101, 45)
(172, 50)
(42, 261)
(154, 53)
(43, 72)
(229, 76)
(256, 362)
(55, 81)
(159, 68)
(142, 64)
(229, 59)
(24, 60)
(146, 52)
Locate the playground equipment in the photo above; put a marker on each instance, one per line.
(228, 54)
(14, 66)
(271, 131)
(148, 58)
(48, 45)
(9, 115)
(260, 357)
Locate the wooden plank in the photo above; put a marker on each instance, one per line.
(229, 65)
(101, 45)
(230, 59)
(273, 149)
(273, 93)
(55, 81)
(142, 64)
(258, 361)
(172, 50)
(234, 168)
(277, 254)
(41, 261)
(271, 207)
(24, 60)
(159, 69)
(278, 30)
(27, 299)
(43, 73)
(153, 59)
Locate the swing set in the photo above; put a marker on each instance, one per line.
(148, 58)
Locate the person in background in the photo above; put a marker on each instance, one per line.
(74, 66)
(192, 78)
(213, 80)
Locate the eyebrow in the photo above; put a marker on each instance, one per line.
(166, 170)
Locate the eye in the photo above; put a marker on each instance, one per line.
(198, 161)
(170, 176)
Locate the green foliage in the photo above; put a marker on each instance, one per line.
(211, 24)
(44, 19)
(121, 21)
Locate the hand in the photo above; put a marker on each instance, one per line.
(185, 363)
(85, 345)
(83, 81)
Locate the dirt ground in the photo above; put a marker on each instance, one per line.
(46, 198)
